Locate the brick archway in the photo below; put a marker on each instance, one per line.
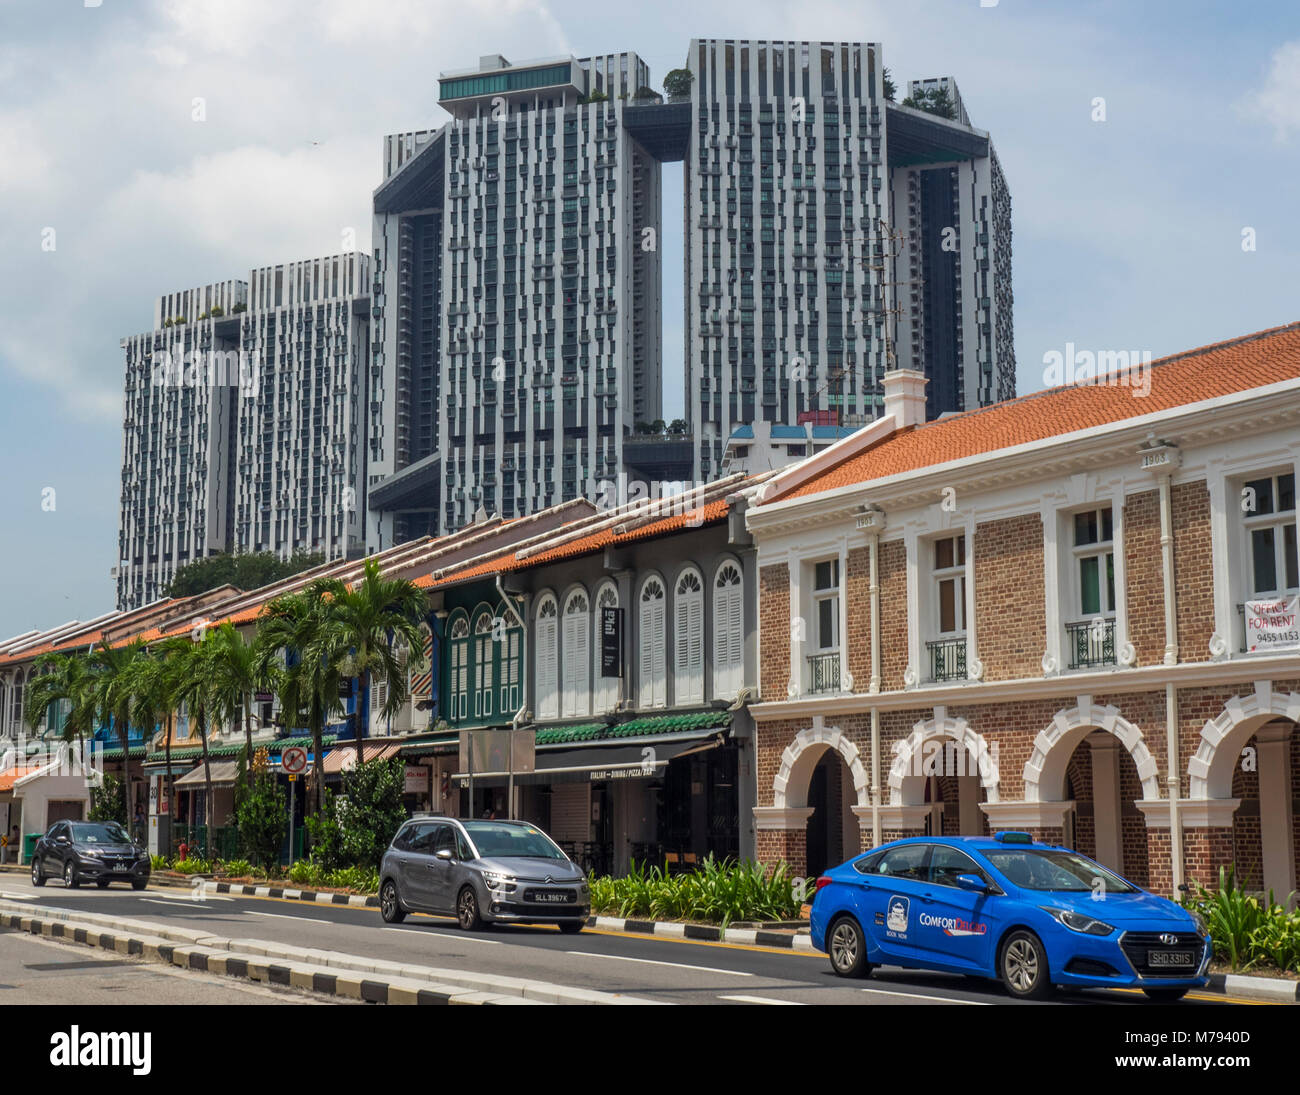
(1045, 769)
(790, 787)
(1223, 737)
(906, 774)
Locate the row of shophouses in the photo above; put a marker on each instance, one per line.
(1042, 615)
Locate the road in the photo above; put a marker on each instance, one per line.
(41, 971)
(667, 970)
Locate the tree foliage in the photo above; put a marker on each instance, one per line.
(245, 571)
(106, 802)
(356, 827)
(677, 84)
(261, 810)
(935, 100)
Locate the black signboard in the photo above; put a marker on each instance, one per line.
(611, 642)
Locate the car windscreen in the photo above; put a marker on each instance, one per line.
(108, 832)
(1055, 871)
(492, 838)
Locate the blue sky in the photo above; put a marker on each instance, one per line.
(1128, 232)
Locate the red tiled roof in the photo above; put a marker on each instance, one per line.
(12, 775)
(1210, 372)
(584, 545)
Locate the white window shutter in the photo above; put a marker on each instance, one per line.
(547, 667)
(582, 665)
(659, 672)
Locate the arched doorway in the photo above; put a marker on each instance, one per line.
(1102, 780)
(949, 770)
(1248, 755)
(833, 834)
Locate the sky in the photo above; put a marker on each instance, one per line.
(1151, 150)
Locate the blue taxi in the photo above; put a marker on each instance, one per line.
(1031, 915)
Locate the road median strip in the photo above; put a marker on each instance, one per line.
(328, 972)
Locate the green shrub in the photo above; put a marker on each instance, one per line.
(159, 863)
(193, 865)
(106, 801)
(717, 892)
(1248, 931)
(237, 868)
(261, 812)
(361, 879)
(306, 873)
(355, 827)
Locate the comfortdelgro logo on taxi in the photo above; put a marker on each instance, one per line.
(952, 925)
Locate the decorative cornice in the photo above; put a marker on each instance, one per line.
(1144, 679)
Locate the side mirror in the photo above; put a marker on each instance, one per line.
(444, 854)
(972, 882)
(62, 840)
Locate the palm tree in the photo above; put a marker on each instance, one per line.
(237, 673)
(192, 681)
(307, 683)
(153, 688)
(111, 691)
(63, 678)
(368, 622)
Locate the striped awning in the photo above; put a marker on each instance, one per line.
(342, 757)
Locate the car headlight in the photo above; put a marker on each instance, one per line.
(1202, 928)
(498, 881)
(1078, 922)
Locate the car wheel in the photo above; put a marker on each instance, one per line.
(467, 914)
(139, 885)
(847, 948)
(390, 905)
(38, 876)
(1023, 966)
(572, 927)
(102, 883)
(1165, 996)
(70, 878)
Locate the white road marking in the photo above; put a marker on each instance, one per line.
(656, 962)
(281, 916)
(172, 904)
(740, 999)
(457, 938)
(177, 899)
(937, 999)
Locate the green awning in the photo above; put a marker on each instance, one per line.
(657, 726)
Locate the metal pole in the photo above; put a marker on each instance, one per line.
(469, 748)
(293, 783)
(510, 778)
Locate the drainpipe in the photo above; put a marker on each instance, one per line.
(1163, 456)
(873, 545)
(1172, 780)
(523, 691)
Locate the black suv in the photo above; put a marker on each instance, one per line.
(89, 851)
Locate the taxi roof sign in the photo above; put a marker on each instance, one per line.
(1013, 838)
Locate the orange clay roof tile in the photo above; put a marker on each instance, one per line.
(1209, 372)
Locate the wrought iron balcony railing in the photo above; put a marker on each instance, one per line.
(824, 672)
(947, 659)
(1090, 643)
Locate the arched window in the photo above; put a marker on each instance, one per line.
(728, 631)
(576, 656)
(605, 691)
(484, 664)
(688, 638)
(458, 663)
(651, 638)
(510, 653)
(548, 662)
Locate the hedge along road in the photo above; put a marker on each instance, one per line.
(667, 970)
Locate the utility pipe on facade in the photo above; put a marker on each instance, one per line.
(873, 551)
(1173, 782)
(523, 693)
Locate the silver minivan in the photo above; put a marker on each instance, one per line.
(481, 872)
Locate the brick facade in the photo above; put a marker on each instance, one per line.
(1144, 589)
(1193, 569)
(774, 630)
(1011, 633)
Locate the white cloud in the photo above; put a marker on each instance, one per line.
(1278, 100)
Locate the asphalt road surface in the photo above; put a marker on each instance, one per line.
(668, 970)
(41, 971)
